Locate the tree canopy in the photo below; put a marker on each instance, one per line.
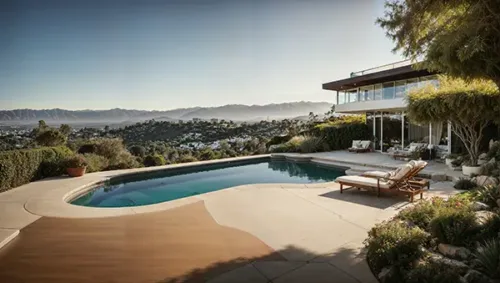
(468, 105)
(460, 38)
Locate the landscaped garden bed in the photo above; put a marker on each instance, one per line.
(438, 240)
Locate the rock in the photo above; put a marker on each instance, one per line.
(453, 251)
(385, 274)
(477, 206)
(484, 180)
(461, 267)
(483, 217)
(473, 276)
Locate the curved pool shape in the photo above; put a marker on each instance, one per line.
(161, 186)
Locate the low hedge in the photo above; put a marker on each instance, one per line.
(18, 167)
(341, 136)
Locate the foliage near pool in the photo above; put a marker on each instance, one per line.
(439, 240)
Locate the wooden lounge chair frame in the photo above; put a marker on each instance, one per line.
(401, 185)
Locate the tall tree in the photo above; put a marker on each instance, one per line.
(460, 38)
(65, 129)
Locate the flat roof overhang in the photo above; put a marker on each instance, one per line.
(400, 73)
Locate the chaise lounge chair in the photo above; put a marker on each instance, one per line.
(413, 180)
(398, 183)
(360, 146)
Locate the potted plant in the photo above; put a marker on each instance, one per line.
(449, 159)
(76, 165)
(470, 167)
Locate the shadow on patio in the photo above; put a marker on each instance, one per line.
(368, 198)
(347, 264)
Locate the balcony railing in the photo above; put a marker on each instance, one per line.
(382, 68)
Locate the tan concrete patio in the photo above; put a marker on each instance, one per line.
(316, 231)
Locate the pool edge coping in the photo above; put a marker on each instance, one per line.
(55, 202)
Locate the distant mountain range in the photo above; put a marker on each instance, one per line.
(235, 112)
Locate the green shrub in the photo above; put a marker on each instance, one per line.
(340, 136)
(487, 258)
(433, 273)
(394, 243)
(421, 214)
(50, 137)
(75, 161)
(494, 151)
(491, 168)
(18, 167)
(154, 160)
(278, 140)
(311, 144)
(187, 158)
(465, 184)
(110, 148)
(96, 162)
(124, 160)
(488, 194)
(454, 225)
(138, 150)
(87, 148)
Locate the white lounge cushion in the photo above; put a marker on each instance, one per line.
(363, 181)
(403, 171)
(378, 174)
(356, 144)
(365, 144)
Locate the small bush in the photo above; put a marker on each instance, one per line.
(394, 243)
(488, 194)
(154, 160)
(487, 257)
(278, 140)
(187, 158)
(433, 273)
(110, 148)
(96, 162)
(421, 214)
(465, 184)
(76, 161)
(494, 151)
(124, 160)
(18, 167)
(311, 144)
(88, 148)
(51, 137)
(455, 226)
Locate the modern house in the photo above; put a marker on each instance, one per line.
(380, 94)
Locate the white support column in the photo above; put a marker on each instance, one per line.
(381, 131)
(449, 138)
(430, 133)
(403, 129)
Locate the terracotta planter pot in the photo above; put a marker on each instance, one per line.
(76, 172)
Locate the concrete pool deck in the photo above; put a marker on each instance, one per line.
(317, 231)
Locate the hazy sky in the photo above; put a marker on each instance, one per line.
(86, 54)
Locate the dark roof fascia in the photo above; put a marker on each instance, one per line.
(400, 73)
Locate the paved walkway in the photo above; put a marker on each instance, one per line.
(311, 232)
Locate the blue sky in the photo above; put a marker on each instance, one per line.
(155, 54)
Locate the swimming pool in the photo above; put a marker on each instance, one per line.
(160, 186)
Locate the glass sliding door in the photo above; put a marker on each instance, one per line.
(400, 89)
(377, 92)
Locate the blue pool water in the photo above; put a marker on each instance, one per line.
(155, 187)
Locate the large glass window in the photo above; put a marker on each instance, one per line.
(388, 90)
(366, 93)
(400, 89)
(341, 98)
(411, 84)
(353, 95)
(377, 92)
